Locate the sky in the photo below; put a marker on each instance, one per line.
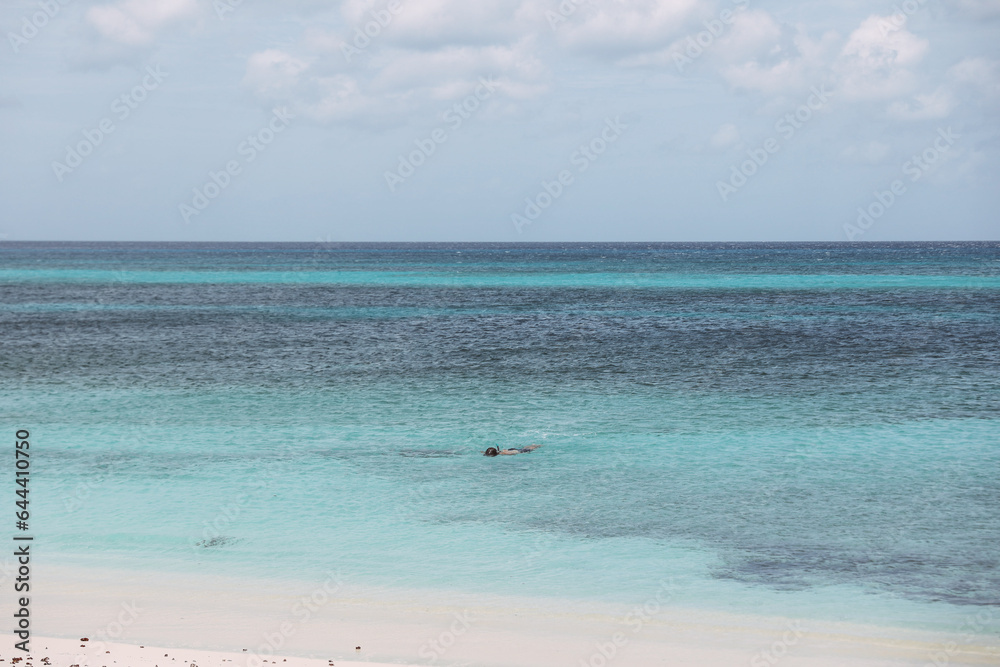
(499, 120)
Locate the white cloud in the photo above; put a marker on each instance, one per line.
(751, 51)
(273, 73)
(753, 33)
(392, 84)
(277, 77)
(981, 73)
(746, 35)
(425, 53)
(434, 23)
(937, 104)
(134, 23)
(125, 31)
(769, 79)
(971, 80)
(625, 26)
(337, 97)
(453, 71)
(978, 9)
(757, 53)
(763, 56)
(874, 63)
(434, 51)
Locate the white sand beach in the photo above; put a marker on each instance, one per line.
(59, 652)
(131, 618)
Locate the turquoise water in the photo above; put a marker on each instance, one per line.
(800, 430)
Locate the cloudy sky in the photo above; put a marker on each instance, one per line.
(506, 120)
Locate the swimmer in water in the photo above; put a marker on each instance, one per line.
(493, 451)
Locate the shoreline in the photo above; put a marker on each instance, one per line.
(816, 651)
(213, 619)
(62, 652)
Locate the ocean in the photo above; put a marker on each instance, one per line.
(803, 430)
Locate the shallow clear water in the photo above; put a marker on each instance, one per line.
(804, 430)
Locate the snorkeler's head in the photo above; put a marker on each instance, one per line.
(491, 451)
